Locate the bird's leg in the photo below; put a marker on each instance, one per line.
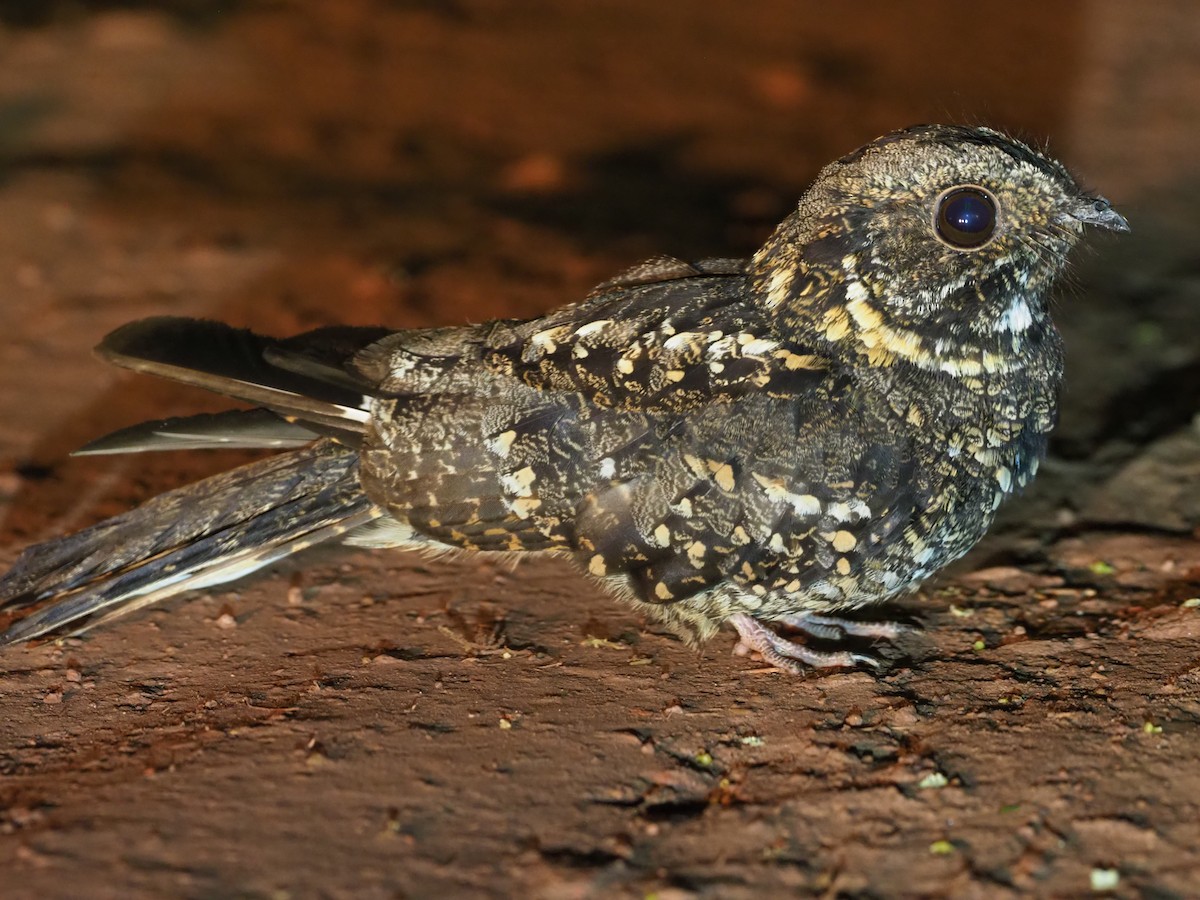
(833, 628)
(788, 655)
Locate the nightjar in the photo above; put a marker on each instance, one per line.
(765, 442)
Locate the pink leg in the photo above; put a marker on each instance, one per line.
(787, 655)
(832, 627)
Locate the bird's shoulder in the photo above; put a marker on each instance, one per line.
(664, 335)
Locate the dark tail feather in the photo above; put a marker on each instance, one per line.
(207, 533)
(301, 379)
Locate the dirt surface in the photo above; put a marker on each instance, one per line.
(378, 725)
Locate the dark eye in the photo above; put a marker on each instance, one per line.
(966, 217)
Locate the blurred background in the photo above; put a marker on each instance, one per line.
(286, 164)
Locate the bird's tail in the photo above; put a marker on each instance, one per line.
(226, 526)
(207, 533)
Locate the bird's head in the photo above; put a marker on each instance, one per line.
(936, 245)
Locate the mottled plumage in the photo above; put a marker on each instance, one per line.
(761, 442)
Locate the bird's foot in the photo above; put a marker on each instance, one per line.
(793, 657)
(834, 628)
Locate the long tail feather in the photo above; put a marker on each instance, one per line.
(283, 376)
(257, 429)
(214, 531)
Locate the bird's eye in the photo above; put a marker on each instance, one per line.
(965, 217)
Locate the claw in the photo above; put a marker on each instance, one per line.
(788, 655)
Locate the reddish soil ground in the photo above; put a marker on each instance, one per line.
(378, 725)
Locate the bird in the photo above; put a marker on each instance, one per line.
(778, 444)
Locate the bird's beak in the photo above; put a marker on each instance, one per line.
(1099, 212)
